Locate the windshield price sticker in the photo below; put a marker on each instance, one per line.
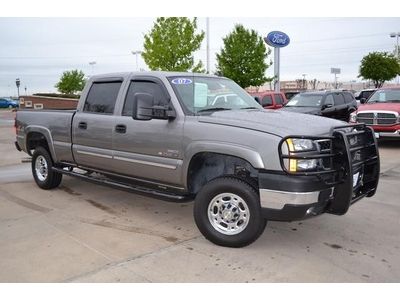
(181, 81)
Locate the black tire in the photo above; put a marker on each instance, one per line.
(52, 179)
(256, 223)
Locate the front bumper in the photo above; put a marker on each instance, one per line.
(388, 134)
(292, 198)
(353, 174)
(293, 206)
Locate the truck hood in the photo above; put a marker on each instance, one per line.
(380, 106)
(276, 122)
(304, 110)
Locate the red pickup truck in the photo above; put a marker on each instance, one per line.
(270, 99)
(381, 112)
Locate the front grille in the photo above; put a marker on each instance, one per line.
(325, 146)
(377, 118)
(365, 115)
(386, 118)
(366, 118)
(350, 164)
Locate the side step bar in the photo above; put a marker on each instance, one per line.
(127, 187)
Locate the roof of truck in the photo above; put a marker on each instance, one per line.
(151, 73)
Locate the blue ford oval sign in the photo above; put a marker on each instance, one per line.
(277, 39)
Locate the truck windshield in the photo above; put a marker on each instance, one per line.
(305, 100)
(385, 96)
(209, 94)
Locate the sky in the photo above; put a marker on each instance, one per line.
(38, 50)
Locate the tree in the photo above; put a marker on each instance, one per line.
(242, 58)
(71, 82)
(379, 67)
(170, 44)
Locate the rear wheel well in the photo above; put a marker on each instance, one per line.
(34, 140)
(206, 166)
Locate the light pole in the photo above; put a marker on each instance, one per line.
(208, 43)
(136, 53)
(396, 35)
(17, 83)
(92, 63)
(304, 81)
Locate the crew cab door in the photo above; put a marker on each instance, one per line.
(341, 107)
(279, 101)
(328, 107)
(92, 126)
(149, 149)
(267, 101)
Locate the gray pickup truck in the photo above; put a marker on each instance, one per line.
(184, 136)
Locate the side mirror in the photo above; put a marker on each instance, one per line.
(257, 99)
(363, 100)
(144, 108)
(325, 106)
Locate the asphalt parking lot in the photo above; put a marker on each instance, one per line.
(81, 232)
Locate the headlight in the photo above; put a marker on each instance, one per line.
(306, 164)
(299, 145)
(353, 118)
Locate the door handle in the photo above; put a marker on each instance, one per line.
(120, 128)
(82, 125)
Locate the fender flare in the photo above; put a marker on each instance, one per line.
(46, 133)
(240, 151)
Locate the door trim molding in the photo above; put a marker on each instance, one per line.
(143, 162)
(94, 154)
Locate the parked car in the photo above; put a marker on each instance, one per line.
(156, 133)
(382, 112)
(6, 103)
(332, 104)
(270, 99)
(363, 95)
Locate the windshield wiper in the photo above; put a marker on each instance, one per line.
(213, 109)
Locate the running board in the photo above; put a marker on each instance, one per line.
(127, 187)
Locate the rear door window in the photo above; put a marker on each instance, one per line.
(348, 98)
(278, 99)
(339, 99)
(102, 97)
(266, 100)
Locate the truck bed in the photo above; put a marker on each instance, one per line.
(54, 124)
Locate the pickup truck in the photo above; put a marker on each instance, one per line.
(270, 99)
(162, 134)
(382, 112)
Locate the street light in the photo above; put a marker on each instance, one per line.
(304, 80)
(396, 35)
(17, 83)
(136, 53)
(92, 63)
